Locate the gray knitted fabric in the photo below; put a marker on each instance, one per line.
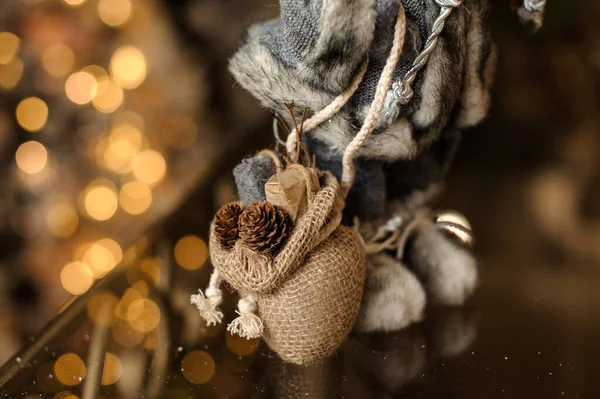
(289, 38)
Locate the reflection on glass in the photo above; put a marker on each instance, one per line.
(32, 114)
(198, 367)
(69, 369)
(191, 252)
(112, 369)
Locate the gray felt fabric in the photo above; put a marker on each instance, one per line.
(368, 194)
(250, 177)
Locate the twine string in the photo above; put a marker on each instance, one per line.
(403, 88)
(383, 86)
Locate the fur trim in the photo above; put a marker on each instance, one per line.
(345, 34)
(393, 297)
(448, 271)
(479, 70)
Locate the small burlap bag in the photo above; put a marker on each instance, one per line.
(309, 294)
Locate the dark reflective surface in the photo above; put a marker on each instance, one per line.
(128, 339)
(528, 182)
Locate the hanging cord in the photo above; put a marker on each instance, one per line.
(383, 86)
(208, 305)
(247, 325)
(421, 218)
(327, 112)
(274, 158)
(403, 88)
(394, 236)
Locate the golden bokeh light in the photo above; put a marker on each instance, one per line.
(179, 131)
(79, 251)
(135, 197)
(62, 219)
(126, 139)
(114, 12)
(58, 60)
(101, 308)
(240, 345)
(11, 74)
(129, 296)
(128, 66)
(96, 71)
(32, 114)
(76, 278)
(81, 87)
(9, 45)
(100, 259)
(151, 268)
(112, 369)
(100, 200)
(31, 157)
(125, 335)
(124, 143)
(130, 255)
(109, 97)
(69, 369)
(198, 367)
(113, 247)
(141, 287)
(65, 395)
(149, 166)
(74, 3)
(150, 341)
(143, 314)
(82, 250)
(191, 252)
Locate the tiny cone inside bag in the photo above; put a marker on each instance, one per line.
(292, 189)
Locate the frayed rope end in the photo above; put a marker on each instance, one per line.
(246, 325)
(208, 308)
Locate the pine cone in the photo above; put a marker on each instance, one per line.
(264, 227)
(226, 224)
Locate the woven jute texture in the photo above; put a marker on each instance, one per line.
(308, 294)
(311, 313)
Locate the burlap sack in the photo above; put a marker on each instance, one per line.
(309, 294)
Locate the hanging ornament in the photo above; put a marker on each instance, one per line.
(299, 272)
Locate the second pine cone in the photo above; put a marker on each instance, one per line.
(264, 228)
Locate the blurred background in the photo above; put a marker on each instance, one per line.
(119, 125)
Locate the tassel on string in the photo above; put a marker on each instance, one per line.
(247, 325)
(208, 305)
